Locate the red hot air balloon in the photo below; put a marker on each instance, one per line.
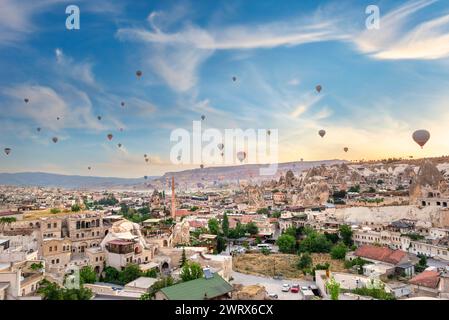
(110, 136)
(7, 151)
(322, 133)
(421, 137)
(55, 139)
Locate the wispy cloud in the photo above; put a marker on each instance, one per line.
(177, 55)
(397, 39)
(74, 108)
(80, 71)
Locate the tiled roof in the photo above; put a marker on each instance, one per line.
(429, 278)
(383, 254)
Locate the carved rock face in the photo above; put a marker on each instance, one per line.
(428, 180)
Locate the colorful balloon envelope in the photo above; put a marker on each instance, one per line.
(421, 137)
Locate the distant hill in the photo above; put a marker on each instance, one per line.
(66, 181)
(231, 174)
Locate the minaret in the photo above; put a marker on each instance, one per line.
(173, 199)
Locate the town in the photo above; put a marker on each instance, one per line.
(337, 230)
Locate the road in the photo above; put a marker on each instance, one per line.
(270, 284)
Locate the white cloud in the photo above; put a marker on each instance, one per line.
(176, 56)
(81, 71)
(45, 105)
(397, 39)
(293, 82)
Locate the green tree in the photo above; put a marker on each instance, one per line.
(305, 261)
(55, 210)
(265, 251)
(334, 288)
(111, 275)
(286, 243)
(183, 258)
(355, 188)
(264, 211)
(221, 244)
(87, 275)
(158, 285)
(422, 263)
(50, 290)
(225, 224)
(75, 208)
(315, 242)
(252, 228)
(346, 234)
(191, 271)
(339, 251)
(130, 273)
(214, 226)
(290, 231)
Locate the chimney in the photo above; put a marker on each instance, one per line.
(173, 199)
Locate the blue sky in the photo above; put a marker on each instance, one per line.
(378, 85)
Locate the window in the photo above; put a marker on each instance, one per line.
(82, 235)
(50, 249)
(56, 248)
(77, 235)
(55, 225)
(57, 260)
(93, 234)
(78, 225)
(96, 259)
(48, 225)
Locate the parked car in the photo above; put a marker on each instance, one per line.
(304, 288)
(278, 277)
(286, 287)
(273, 295)
(295, 288)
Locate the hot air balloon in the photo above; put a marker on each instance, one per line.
(302, 159)
(26, 100)
(234, 79)
(241, 155)
(138, 74)
(346, 149)
(57, 118)
(38, 129)
(122, 104)
(220, 146)
(202, 166)
(7, 151)
(318, 88)
(110, 136)
(322, 133)
(145, 155)
(269, 132)
(421, 137)
(89, 168)
(179, 158)
(146, 159)
(145, 177)
(55, 139)
(203, 117)
(222, 154)
(119, 145)
(99, 117)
